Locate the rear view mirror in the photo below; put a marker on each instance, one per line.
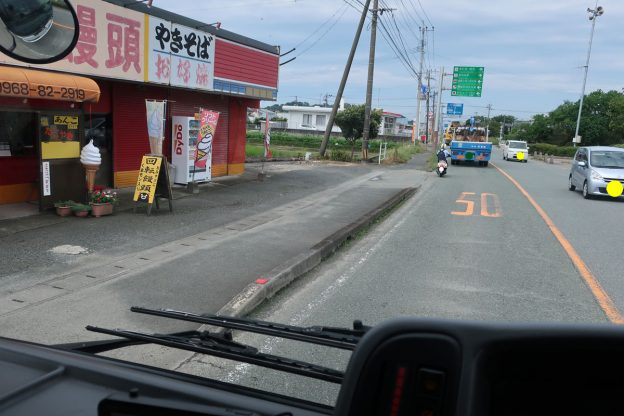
(581, 164)
(37, 31)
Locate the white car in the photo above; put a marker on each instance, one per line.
(516, 150)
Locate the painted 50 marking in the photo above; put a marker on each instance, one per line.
(469, 205)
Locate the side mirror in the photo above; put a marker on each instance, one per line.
(582, 164)
(37, 31)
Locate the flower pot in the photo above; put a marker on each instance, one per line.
(63, 211)
(97, 210)
(81, 213)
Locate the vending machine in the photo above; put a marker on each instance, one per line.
(183, 152)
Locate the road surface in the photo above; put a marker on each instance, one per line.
(491, 258)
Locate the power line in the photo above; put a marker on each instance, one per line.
(323, 34)
(425, 13)
(322, 24)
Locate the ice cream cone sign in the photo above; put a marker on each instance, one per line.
(203, 151)
(91, 160)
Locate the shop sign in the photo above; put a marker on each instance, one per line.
(59, 128)
(110, 43)
(148, 179)
(46, 178)
(179, 55)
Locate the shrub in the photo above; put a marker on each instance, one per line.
(552, 149)
(340, 155)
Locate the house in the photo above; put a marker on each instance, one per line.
(393, 124)
(309, 118)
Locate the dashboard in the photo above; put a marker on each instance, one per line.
(400, 367)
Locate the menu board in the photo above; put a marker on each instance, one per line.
(59, 128)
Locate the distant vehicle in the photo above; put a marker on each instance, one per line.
(469, 144)
(594, 167)
(513, 148)
(30, 20)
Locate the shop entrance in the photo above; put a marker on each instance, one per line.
(62, 176)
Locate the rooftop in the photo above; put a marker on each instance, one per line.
(206, 27)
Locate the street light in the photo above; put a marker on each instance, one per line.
(593, 14)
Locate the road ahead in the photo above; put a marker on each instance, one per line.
(490, 258)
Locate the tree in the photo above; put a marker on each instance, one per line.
(351, 122)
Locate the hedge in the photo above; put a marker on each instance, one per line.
(551, 149)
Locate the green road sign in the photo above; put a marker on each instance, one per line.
(467, 81)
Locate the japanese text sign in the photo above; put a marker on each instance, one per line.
(148, 179)
(179, 55)
(110, 43)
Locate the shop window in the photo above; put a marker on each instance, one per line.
(18, 133)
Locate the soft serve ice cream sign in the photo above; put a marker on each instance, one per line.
(91, 160)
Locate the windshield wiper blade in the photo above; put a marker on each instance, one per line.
(343, 338)
(223, 347)
(100, 346)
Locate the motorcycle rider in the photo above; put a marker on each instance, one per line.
(442, 154)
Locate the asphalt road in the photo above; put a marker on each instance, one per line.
(498, 262)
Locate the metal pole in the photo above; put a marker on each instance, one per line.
(420, 77)
(439, 113)
(369, 83)
(427, 108)
(487, 125)
(343, 81)
(591, 38)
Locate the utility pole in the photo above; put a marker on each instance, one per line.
(427, 108)
(487, 124)
(343, 81)
(420, 79)
(439, 112)
(369, 83)
(593, 14)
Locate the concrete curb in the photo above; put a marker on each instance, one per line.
(254, 294)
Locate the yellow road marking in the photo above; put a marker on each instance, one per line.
(484, 206)
(469, 205)
(603, 299)
(63, 26)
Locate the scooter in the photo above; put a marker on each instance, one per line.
(441, 169)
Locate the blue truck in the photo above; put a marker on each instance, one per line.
(478, 152)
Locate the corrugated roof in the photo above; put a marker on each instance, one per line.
(185, 21)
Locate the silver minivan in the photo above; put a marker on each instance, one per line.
(594, 167)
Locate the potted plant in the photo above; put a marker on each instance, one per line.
(102, 201)
(63, 208)
(81, 210)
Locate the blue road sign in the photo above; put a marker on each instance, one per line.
(454, 109)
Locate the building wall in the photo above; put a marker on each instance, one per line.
(295, 120)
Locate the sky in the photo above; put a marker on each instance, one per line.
(533, 51)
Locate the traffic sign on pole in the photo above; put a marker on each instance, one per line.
(467, 81)
(454, 109)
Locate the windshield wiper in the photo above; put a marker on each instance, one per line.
(342, 338)
(222, 346)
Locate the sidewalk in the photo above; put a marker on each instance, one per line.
(185, 266)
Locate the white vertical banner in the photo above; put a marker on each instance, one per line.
(155, 111)
(45, 169)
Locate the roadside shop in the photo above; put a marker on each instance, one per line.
(125, 56)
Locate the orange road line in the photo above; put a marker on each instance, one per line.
(603, 299)
(63, 26)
